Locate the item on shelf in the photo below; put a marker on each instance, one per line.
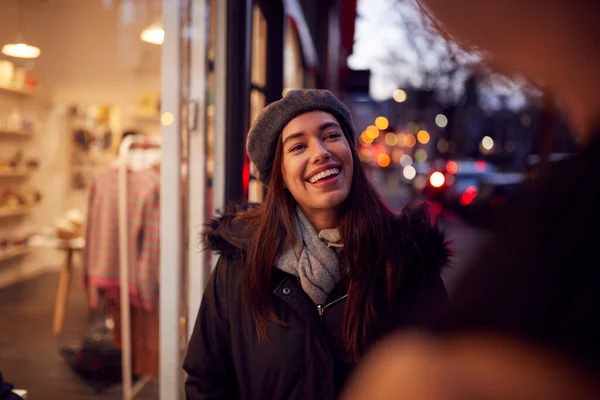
(22, 197)
(76, 218)
(69, 226)
(10, 198)
(16, 160)
(149, 104)
(19, 78)
(7, 71)
(33, 163)
(31, 197)
(14, 243)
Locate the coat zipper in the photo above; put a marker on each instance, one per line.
(321, 308)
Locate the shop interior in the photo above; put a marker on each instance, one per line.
(75, 78)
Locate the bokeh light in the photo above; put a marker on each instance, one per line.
(382, 123)
(400, 95)
(383, 160)
(372, 131)
(423, 136)
(409, 172)
(441, 120)
(391, 139)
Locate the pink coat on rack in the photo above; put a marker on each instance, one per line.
(101, 255)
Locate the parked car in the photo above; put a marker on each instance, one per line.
(473, 189)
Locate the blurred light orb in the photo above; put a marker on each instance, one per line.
(437, 179)
(166, 119)
(406, 160)
(452, 167)
(441, 120)
(382, 123)
(487, 143)
(420, 182)
(391, 139)
(410, 140)
(383, 160)
(365, 138)
(409, 172)
(443, 146)
(421, 155)
(423, 136)
(372, 131)
(399, 96)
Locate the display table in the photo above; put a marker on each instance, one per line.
(69, 247)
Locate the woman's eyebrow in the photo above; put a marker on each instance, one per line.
(293, 136)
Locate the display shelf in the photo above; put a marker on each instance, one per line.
(147, 118)
(11, 173)
(13, 253)
(15, 90)
(14, 133)
(14, 211)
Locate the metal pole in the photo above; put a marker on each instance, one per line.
(197, 260)
(170, 374)
(239, 56)
(220, 143)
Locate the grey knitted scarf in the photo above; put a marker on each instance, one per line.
(313, 259)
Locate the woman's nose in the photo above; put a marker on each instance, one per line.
(320, 153)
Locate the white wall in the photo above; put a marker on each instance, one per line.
(90, 54)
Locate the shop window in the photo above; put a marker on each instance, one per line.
(257, 92)
(292, 63)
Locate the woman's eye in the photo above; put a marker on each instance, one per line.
(296, 147)
(333, 135)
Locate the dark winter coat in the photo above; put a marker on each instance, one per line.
(304, 358)
(539, 279)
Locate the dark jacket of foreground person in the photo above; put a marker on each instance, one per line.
(539, 279)
(305, 356)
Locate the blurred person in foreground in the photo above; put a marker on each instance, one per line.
(312, 277)
(525, 321)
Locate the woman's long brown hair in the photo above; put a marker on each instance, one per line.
(363, 227)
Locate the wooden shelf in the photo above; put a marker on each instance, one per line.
(8, 173)
(147, 118)
(13, 211)
(17, 134)
(14, 90)
(10, 254)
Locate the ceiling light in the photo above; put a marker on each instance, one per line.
(21, 50)
(154, 34)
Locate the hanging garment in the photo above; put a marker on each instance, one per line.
(101, 254)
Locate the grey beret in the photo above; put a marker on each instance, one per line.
(264, 132)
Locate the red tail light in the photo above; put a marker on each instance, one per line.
(451, 167)
(468, 195)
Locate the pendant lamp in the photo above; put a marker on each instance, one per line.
(19, 48)
(154, 34)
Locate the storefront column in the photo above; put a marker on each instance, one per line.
(197, 171)
(171, 255)
(239, 47)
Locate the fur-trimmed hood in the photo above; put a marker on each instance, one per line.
(414, 235)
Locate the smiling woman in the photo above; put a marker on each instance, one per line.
(317, 166)
(310, 279)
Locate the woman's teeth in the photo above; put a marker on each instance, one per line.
(324, 174)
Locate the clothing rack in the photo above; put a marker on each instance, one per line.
(129, 143)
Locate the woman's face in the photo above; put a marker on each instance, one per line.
(317, 163)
